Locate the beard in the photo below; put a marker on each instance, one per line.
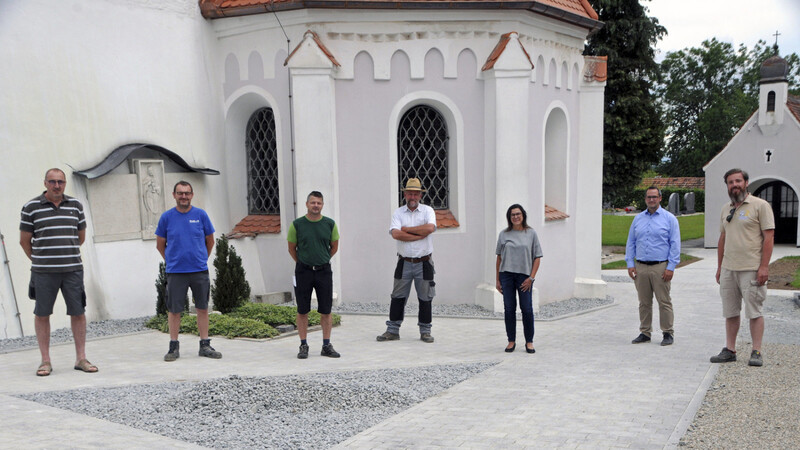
(737, 197)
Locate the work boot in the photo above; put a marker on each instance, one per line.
(327, 350)
(756, 359)
(174, 351)
(303, 353)
(724, 356)
(668, 339)
(641, 338)
(207, 350)
(426, 337)
(387, 337)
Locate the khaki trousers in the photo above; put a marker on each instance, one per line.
(648, 282)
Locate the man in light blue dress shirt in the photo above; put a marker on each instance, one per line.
(652, 253)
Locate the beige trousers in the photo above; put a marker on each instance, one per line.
(648, 282)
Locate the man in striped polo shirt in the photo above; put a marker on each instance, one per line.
(52, 229)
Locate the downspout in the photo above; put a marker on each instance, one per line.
(291, 113)
(11, 282)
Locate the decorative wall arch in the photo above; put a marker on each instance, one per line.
(556, 144)
(455, 124)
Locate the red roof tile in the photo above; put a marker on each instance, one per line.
(576, 11)
(253, 225)
(794, 106)
(674, 182)
(445, 219)
(551, 213)
(498, 50)
(596, 68)
(319, 43)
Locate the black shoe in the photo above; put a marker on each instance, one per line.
(724, 356)
(668, 339)
(756, 359)
(327, 350)
(529, 350)
(387, 337)
(207, 350)
(303, 353)
(511, 349)
(641, 338)
(174, 351)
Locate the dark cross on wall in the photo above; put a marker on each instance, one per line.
(769, 155)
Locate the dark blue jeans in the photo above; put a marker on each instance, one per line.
(512, 286)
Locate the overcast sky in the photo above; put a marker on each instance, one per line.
(690, 22)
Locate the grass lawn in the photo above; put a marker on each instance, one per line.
(685, 259)
(615, 228)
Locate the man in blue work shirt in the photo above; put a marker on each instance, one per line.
(652, 253)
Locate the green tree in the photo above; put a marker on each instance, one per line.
(633, 131)
(231, 288)
(708, 93)
(161, 291)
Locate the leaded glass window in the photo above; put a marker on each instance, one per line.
(262, 163)
(422, 146)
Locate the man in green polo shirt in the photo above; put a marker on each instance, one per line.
(313, 240)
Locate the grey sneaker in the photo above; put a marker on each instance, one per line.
(327, 350)
(174, 351)
(387, 337)
(303, 353)
(426, 337)
(724, 356)
(755, 359)
(207, 350)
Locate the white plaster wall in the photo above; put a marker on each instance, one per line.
(746, 151)
(81, 78)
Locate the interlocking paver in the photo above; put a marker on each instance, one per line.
(586, 387)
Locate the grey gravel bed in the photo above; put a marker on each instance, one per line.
(546, 312)
(287, 412)
(755, 407)
(93, 330)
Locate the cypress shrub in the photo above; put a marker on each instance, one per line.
(231, 288)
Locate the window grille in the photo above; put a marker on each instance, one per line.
(262, 163)
(771, 101)
(422, 146)
(788, 202)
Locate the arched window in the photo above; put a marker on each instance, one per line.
(771, 101)
(422, 147)
(262, 163)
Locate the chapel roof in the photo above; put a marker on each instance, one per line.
(793, 102)
(578, 12)
(674, 182)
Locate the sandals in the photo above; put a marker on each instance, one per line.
(86, 366)
(45, 368)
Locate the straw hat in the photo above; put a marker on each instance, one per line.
(413, 184)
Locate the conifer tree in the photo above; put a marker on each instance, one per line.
(231, 288)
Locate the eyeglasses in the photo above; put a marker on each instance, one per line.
(652, 197)
(56, 182)
(516, 214)
(187, 194)
(730, 216)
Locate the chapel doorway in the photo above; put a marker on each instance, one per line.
(784, 205)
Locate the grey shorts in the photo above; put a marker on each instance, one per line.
(178, 285)
(44, 289)
(736, 287)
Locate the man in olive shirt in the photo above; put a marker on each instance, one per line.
(745, 246)
(313, 240)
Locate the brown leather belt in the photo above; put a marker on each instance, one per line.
(416, 260)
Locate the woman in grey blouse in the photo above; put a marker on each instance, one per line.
(518, 254)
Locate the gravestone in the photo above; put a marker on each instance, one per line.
(688, 203)
(674, 205)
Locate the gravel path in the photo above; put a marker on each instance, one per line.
(94, 330)
(755, 407)
(291, 412)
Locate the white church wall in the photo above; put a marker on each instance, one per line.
(748, 151)
(81, 79)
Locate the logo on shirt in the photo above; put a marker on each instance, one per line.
(194, 220)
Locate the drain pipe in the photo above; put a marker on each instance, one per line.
(291, 112)
(11, 282)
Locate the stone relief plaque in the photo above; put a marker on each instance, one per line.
(150, 178)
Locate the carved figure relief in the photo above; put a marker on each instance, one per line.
(150, 175)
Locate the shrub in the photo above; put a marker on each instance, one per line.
(161, 291)
(231, 288)
(218, 325)
(278, 315)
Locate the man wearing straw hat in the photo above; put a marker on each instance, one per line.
(412, 225)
